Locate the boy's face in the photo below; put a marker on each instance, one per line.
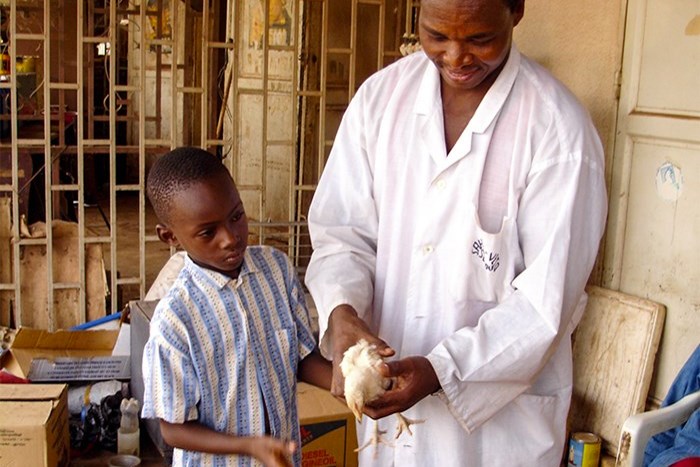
(208, 220)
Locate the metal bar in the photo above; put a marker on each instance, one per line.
(48, 173)
(142, 136)
(190, 90)
(265, 87)
(126, 88)
(161, 42)
(113, 156)
(128, 281)
(340, 50)
(82, 294)
(174, 14)
(158, 79)
(93, 240)
(323, 97)
(93, 39)
(127, 187)
(309, 93)
(221, 45)
(67, 285)
(64, 86)
(18, 242)
(32, 142)
(21, 36)
(156, 142)
(353, 45)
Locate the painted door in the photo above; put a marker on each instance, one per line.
(653, 242)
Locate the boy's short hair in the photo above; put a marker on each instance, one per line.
(176, 171)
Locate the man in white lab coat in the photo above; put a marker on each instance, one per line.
(455, 225)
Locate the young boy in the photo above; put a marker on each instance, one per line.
(232, 335)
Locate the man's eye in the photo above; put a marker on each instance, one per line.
(482, 40)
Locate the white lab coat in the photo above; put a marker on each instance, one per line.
(396, 234)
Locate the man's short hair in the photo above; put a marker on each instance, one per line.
(176, 171)
(512, 4)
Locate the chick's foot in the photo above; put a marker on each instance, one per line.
(404, 424)
(375, 440)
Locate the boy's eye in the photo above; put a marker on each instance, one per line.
(237, 216)
(205, 233)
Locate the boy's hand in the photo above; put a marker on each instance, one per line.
(345, 328)
(272, 452)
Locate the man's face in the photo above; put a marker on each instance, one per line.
(468, 40)
(208, 220)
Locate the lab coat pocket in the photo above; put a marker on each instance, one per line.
(481, 267)
(533, 425)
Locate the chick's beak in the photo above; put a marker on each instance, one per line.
(357, 410)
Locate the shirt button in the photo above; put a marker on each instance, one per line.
(427, 249)
(441, 184)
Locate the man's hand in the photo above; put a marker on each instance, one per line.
(413, 379)
(345, 328)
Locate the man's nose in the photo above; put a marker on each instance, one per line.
(458, 54)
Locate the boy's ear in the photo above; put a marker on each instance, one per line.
(166, 235)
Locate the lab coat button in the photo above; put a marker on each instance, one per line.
(441, 184)
(427, 249)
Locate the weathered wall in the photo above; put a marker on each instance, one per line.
(581, 43)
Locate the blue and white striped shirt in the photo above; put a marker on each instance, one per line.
(222, 350)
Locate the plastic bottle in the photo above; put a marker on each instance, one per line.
(128, 436)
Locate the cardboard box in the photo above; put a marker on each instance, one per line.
(140, 314)
(65, 356)
(34, 428)
(328, 434)
(327, 426)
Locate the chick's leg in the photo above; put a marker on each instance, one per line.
(404, 424)
(375, 440)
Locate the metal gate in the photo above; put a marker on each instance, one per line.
(93, 91)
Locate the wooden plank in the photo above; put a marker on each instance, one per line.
(614, 350)
(5, 259)
(33, 270)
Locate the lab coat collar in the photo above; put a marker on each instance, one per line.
(428, 96)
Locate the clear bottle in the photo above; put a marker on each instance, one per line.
(128, 436)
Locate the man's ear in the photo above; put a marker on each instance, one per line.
(519, 12)
(166, 235)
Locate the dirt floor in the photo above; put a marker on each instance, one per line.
(127, 247)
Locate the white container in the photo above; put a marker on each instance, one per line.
(123, 460)
(128, 443)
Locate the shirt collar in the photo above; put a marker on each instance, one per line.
(429, 92)
(221, 280)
